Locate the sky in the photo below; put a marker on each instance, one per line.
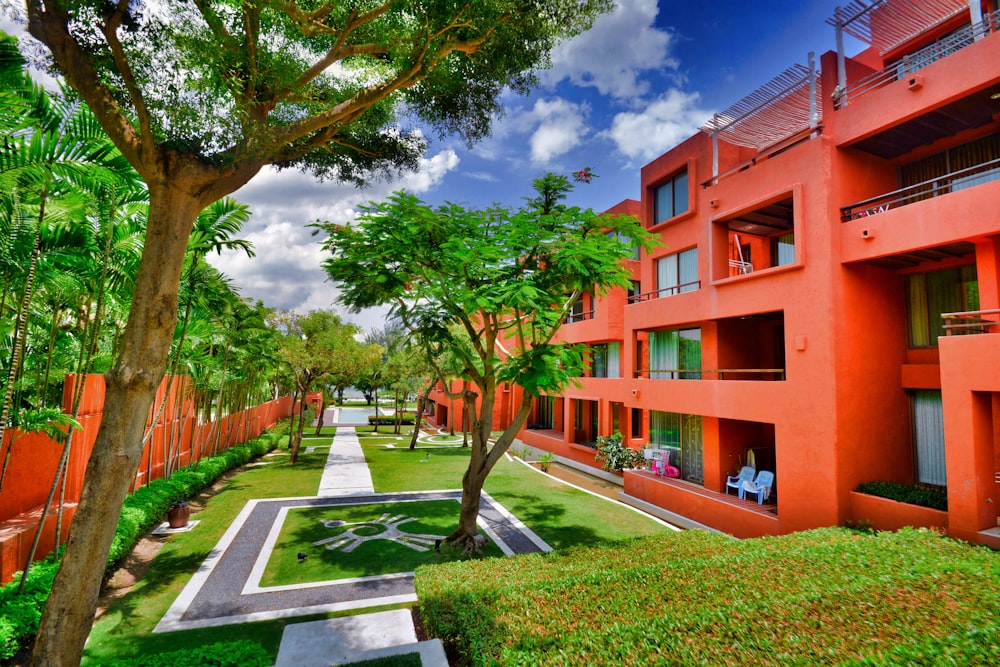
(642, 80)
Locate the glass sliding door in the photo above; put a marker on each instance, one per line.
(681, 435)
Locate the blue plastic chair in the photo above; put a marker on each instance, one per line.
(760, 487)
(745, 475)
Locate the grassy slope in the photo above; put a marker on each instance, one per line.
(827, 596)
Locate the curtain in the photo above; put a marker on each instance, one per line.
(688, 270)
(614, 360)
(663, 354)
(928, 431)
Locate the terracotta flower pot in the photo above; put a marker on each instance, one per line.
(179, 514)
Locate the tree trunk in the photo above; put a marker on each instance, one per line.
(297, 440)
(483, 459)
(322, 411)
(131, 387)
(422, 400)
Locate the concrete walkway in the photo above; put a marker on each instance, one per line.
(346, 472)
(341, 641)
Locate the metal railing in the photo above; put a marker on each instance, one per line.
(919, 59)
(952, 182)
(666, 291)
(971, 322)
(580, 317)
(689, 373)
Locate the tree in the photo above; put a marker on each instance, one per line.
(199, 97)
(317, 346)
(498, 315)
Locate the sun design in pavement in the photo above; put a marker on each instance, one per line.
(386, 527)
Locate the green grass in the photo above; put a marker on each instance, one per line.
(405, 660)
(304, 527)
(126, 629)
(822, 597)
(560, 515)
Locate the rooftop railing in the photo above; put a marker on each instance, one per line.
(951, 182)
(917, 60)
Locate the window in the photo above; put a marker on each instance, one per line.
(928, 295)
(625, 240)
(681, 436)
(636, 423)
(677, 273)
(928, 437)
(783, 249)
(545, 418)
(579, 312)
(671, 198)
(634, 290)
(675, 354)
(605, 360)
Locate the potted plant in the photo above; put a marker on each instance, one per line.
(179, 514)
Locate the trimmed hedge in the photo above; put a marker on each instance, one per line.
(20, 614)
(390, 420)
(222, 654)
(906, 493)
(821, 597)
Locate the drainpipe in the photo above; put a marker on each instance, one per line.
(715, 146)
(840, 98)
(813, 113)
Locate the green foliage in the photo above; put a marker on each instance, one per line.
(406, 419)
(613, 455)
(20, 614)
(546, 460)
(826, 596)
(222, 654)
(907, 493)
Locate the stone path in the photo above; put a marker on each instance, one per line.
(226, 588)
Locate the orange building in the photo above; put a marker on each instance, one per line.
(822, 241)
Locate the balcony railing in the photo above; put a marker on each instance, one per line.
(917, 60)
(971, 322)
(581, 316)
(666, 291)
(719, 373)
(953, 182)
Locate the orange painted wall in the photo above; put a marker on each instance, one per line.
(35, 458)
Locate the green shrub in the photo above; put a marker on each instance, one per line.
(229, 654)
(390, 420)
(613, 455)
(821, 597)
(20, 614)
(907, 493)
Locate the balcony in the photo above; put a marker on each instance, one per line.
(939, 185)
(972, 322)
(666, 291)
(917, 60)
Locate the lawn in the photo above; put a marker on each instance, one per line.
(325, 536)
(126, 629)
(559, 514)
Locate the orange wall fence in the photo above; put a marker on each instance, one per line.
(176, 436)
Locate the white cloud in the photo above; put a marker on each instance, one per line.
(560, 128)
(611, 56)
(665, 122)
(286, 272)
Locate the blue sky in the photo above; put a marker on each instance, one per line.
(646, 77)
(643, 79)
